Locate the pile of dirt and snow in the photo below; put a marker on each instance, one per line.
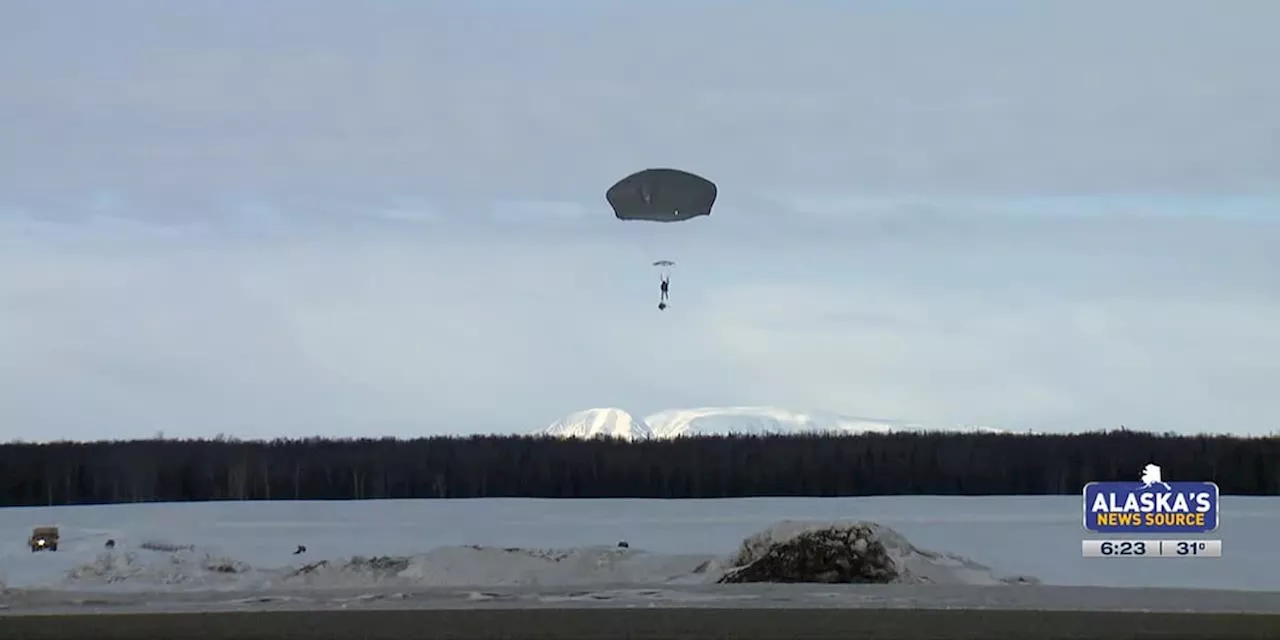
(184, 567)
(850, 552)
(833, 554)
(839, 552)
(475, 566)
(355, 570)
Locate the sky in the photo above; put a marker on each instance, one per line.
(388, 217)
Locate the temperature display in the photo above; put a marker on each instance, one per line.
(1152, 548)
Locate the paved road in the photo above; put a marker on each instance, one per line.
(747, 612)
(646, 623)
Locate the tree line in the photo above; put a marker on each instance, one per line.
(166, 470)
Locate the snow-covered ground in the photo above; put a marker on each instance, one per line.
(676, 546)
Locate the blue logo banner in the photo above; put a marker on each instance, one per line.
(1150, 507)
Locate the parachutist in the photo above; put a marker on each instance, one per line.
(662, 196)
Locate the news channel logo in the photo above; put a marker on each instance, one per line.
(1150, 505)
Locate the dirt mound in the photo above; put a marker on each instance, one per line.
(850, 552)
(832, 554)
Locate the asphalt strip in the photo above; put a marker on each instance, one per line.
(642, 623)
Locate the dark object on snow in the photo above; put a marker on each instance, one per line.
(832, 555)
(166, 547)
(111, 544)
(624, 545)
(300, 550)
(44, 539)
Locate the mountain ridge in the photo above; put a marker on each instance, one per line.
(736, 420)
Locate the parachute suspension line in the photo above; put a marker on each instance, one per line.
(665, 268)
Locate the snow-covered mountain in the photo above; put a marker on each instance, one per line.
(599, 422)
(710, 421)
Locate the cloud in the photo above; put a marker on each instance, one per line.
(200, 332)
(313, 218)
(323, 98)
(1049, 322)
(1043, 361)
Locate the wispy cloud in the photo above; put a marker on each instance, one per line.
(322, 218)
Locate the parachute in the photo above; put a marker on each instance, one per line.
(662, 195)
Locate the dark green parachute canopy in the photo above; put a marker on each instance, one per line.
(661, 195)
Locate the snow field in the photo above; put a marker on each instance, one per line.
(151, 565)
(531, 543)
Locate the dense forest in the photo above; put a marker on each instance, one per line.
(512, 466)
